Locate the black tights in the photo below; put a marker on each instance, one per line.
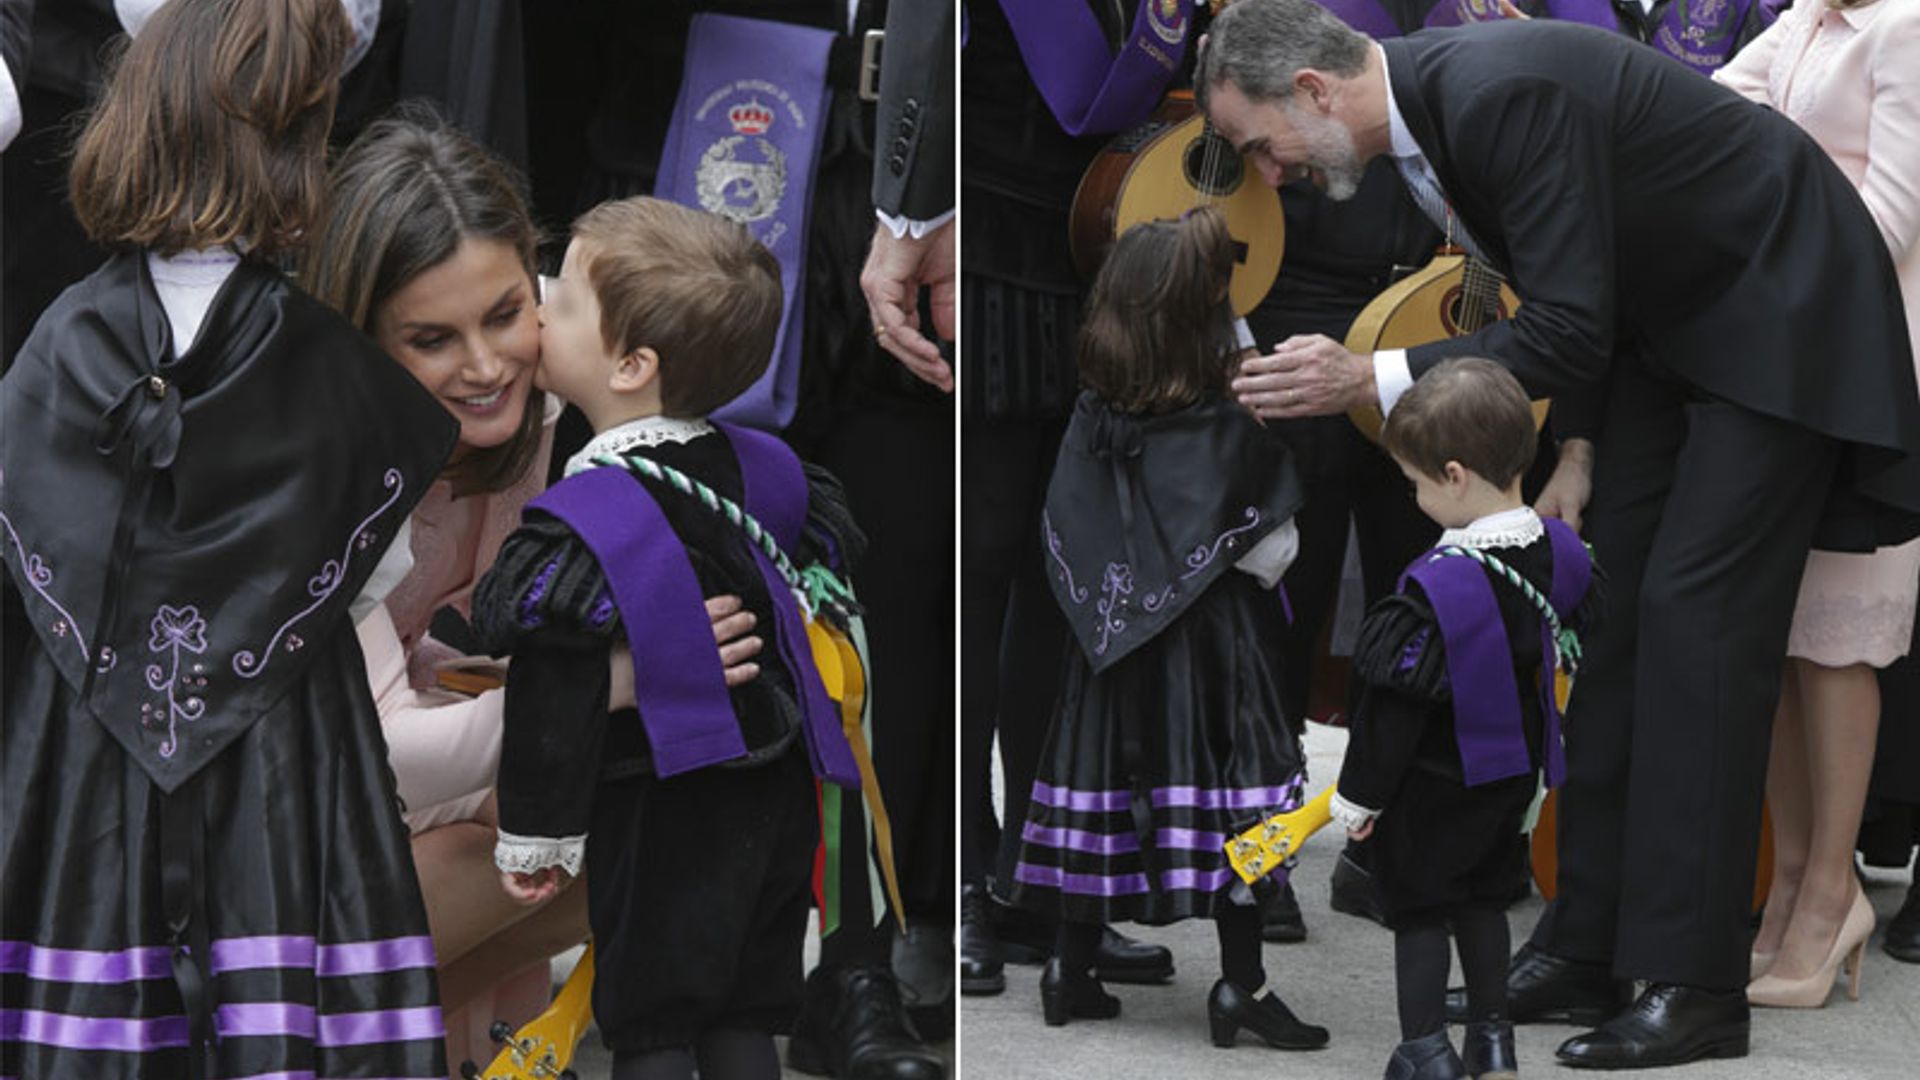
(1237, 926)
(1420, 965)
(720, 1055)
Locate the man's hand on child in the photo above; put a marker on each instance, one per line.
(1305, 375)
(536, 887)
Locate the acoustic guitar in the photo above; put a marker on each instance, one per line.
(1173, 163)
(1450, 296)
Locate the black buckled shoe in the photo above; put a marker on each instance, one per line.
(1352, 892)
(1487, 1049)
(1063, 998)
(853, 1025)
(1027, 938)
(981, 969)
(1903, 930)
(1667, 1025)
(1231, 1009)
(1546, 989)
(1429, 1057)
(1282, 921)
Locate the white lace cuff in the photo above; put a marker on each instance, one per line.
(525, 854)
(1350, 815)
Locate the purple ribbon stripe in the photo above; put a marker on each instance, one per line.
(1286, 796)
(1190, 878)
(229, 954)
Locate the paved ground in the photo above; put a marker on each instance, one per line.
(1342, 977)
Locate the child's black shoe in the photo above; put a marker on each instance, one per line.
(1429, 1057)
(1079, 997)
(1229, 1009)
(1488, 1051)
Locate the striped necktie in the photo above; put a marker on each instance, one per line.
(1433, 202)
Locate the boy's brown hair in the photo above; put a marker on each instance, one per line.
(212, 128)
(694, 287)
(1468, 410)
(1156, 331)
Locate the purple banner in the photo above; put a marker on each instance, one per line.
(743, 143)
(1089, 89)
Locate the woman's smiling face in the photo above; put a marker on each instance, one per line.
(468, 329)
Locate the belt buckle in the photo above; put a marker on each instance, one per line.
(870, 64)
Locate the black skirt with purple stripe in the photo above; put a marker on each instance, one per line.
(319, 964)
(1151, 763)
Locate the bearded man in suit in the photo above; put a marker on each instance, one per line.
(1714, 312)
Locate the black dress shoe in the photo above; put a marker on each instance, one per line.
(1282, 922)
(1027, 938)
(1488, 1051)
(1546, 989)
(1903, 931)
(1352, 892)
(1429, 1057)
(1667, 1025)
(1230, 1009)
(1082, 998)
(981, 969)
(852, 1025)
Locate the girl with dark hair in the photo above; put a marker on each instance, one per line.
(201, 870)
(1167, 524)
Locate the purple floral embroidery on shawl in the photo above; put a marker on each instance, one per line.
(1116, 584)
(174, 629)
(1203, 555)
(39, 577)
(321, 586)
(1078, 592)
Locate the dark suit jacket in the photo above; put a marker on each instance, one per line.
(913, 135)
(1637, 205)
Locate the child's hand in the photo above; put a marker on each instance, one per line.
(541, 885)
(1362, 832)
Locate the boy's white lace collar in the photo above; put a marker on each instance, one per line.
(646, 431)
(1508, 528)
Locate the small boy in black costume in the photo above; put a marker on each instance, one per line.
(698, 816)
(1456, 731)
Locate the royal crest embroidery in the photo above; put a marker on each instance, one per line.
(743, 176)
(1168, 19)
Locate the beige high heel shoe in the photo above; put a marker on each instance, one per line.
(1849, 949)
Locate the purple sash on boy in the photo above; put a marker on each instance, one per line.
(1088, 88)
(743, 144)
(776, 495)
(1486, 696)
(679, 684)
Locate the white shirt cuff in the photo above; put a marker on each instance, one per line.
(1243, 334)
(1391, 377)
(10, 118)
(1350, 815)
(1269, 559)
(905, 226)
(526, 854)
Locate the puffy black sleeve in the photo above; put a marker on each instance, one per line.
(543, 578)
(1400, 648)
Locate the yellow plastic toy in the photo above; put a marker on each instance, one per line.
(1255, 852)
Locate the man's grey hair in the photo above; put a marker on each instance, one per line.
(1258, 46)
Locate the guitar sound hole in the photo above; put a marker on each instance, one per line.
(1212, 166)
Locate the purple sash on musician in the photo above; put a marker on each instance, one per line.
(1702, 33)
(744, 142)
(1089, 89)
(1371, 19)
